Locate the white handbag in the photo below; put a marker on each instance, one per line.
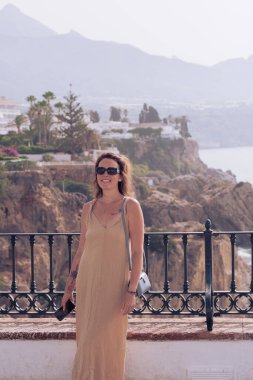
(143, 283)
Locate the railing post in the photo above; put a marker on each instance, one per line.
(251, 284)
(209, 274)
(166, 286)
(186, 282)
(33, 283)
(233, 284)
(51, 281)
(13, 257)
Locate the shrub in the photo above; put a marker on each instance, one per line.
(144, 191)
(7, 158)
(163, 190)
(47, 157)
(36, 149)
(75, 187)
(11, 152)
(3, 182)
(12, 139)
(141, 170)
(20, 165)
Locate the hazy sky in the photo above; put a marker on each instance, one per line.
(199, 31)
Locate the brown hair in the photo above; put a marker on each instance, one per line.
(124, 186)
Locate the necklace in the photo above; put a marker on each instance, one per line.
(109, 208)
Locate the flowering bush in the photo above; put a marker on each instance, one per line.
(11, 152)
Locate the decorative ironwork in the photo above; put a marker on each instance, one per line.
(33, 283)
(186, 282)
(206, 302)
(209, 274)
(232, 240)
(166, 286)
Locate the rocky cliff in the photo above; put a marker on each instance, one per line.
(183, 195)
(37, 205)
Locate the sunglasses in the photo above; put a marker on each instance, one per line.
(111, 171)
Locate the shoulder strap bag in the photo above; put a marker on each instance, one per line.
(143, 283)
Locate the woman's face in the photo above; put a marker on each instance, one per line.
(107, 181)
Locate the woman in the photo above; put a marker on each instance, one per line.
(105, 289)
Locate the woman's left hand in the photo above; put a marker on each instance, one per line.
(129, 303)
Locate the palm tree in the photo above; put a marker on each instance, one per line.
(31, 99)
(48, 96)
(39, 118)
(19, 120)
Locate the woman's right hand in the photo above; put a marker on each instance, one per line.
(66, 296)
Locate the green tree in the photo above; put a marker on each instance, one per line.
(115, 114)
(19, 120)
(49, 96)
(94, 116)
(184, 131)
(40, 115)
(59, 111)
(148, 115)
(31, 99)
(73, 128)
(124, 117)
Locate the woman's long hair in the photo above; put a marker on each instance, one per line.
(125, 185)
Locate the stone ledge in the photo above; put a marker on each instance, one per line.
(152, 328)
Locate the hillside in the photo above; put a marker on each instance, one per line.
(182, 198)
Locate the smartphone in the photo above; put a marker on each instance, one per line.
(60, 314)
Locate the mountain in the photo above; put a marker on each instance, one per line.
(35, 59)
(14, 23)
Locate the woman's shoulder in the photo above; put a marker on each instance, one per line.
(131, 200)
(132, 203)
(87, 206)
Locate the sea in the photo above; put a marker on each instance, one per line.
(239, 160)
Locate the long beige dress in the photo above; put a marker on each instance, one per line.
(101, 283)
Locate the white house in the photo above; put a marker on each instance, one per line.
(9, 109)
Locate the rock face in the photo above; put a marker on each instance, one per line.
(196, 198)
(37, 206)
(193, 199)
(185, 194)
(173, 157)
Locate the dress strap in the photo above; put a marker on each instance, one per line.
(90, 210)
(125, 199)
(126, 231)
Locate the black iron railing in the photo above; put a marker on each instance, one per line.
(160, 300)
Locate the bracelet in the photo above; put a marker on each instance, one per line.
(131, 292)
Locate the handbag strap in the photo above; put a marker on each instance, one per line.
(123, 217)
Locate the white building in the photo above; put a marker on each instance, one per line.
(170, 132)
(109, 126)
(8, 111)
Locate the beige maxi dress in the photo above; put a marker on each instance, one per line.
(101, 284)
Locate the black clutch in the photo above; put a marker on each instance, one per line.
(61, 314)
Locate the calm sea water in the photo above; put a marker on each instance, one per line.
(239, 160)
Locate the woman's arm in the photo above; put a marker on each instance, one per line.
(71, 280)
(136, 234)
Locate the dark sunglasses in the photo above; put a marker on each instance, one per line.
(110, 171)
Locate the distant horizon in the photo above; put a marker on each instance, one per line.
(206, 34)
